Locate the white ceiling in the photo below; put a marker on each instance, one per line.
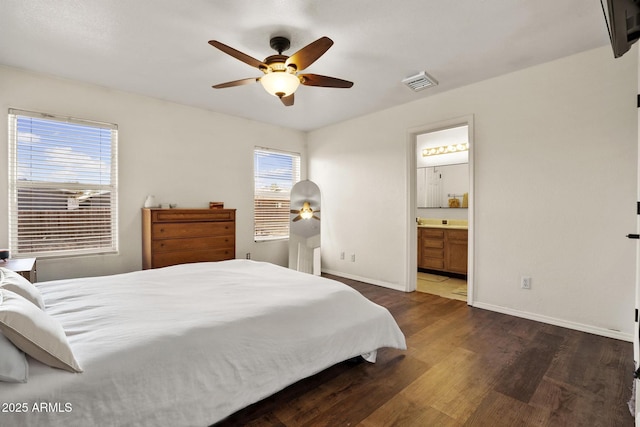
(159, 47)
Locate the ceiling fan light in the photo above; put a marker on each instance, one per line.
(280, 83)
(306, 212)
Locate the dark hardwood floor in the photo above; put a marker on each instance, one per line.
(463, 366)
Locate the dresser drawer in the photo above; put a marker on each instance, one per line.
(185, 215)
(164, 259)
(193, 244)
(195, 229)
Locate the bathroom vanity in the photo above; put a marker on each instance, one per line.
(443, 246)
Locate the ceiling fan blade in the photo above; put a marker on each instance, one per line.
(315, 217)
(298, 218)
(310, 53)
(324, 81)
(287, 100)
(294, 211)
(238, 55)
(236, 83)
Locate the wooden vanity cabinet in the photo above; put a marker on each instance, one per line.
(456, 251)
(179, 236)
(443, 249)
(431, 248)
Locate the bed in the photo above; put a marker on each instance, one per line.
(190, 344)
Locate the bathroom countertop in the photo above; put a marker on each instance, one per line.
(449, 226)
(451, 223)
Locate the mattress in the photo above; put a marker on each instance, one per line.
(190, 344)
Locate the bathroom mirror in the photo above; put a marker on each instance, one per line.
(442, 159)
(304, 228)
(443, 186)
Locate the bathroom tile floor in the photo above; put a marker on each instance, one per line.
(446, 287)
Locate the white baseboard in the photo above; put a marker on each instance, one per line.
(394, 286)
(504, 310)
(557, 322)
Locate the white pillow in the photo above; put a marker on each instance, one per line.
(14, 367)
(35, 332)
(16, 283)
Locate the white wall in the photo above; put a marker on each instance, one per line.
(179, 154)
(442, 213)
(555, 150)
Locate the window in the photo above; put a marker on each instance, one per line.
(275, 172)
(62, 185)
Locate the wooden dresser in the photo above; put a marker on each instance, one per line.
(179, 236)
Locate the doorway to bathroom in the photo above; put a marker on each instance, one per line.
(442, 203)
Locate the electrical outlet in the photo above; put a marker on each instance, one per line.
(525, 282)
(353, 257)
(342, 255)
(248, 255)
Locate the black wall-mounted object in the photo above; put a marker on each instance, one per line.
(623, 23)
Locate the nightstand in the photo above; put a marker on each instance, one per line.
(26, 267)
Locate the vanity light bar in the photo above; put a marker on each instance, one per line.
(445, 149)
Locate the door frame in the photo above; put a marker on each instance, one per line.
(636, 324)
(412, 235)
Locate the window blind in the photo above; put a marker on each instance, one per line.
(275, 173)
(62, 185)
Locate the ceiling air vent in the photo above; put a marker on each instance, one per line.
(420, 81)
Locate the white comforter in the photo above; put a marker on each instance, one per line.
(190, 344)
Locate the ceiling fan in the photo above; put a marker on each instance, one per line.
(281, 76)
(305, 213)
